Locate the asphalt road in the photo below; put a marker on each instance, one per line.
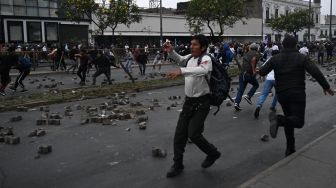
(93, 155)
(69, 80)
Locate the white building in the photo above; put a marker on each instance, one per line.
(325, 28)
(274, 8)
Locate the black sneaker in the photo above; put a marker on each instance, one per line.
(175, 170)
(289, 152)
(248, 99)
(2, 93)
(274, 124)
(256, 112)
(272, 109)
(237, 107)
(210, 160)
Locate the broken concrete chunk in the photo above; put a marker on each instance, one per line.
(159, 152)
(85, 121)
(44, 149)
(16, 119)
(142, 125)
(140, 112)
(12, 140)
(142, 119)
(54, 122)
(107, 121)
(41, 122)
(44, 108)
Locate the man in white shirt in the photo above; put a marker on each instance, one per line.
(304, 50)
(197, 103)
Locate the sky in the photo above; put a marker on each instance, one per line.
(172, 4)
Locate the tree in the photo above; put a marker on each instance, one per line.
(77, 10)
(292, 23)
(215, 12)
(122, 12)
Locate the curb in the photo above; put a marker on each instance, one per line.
(284, 161)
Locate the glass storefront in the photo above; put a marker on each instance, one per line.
(51, 31)
(15, 31)
(34, 31)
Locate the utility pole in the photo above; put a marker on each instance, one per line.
(309, 17)
(161, 39)
(262, 21)
(330, 32)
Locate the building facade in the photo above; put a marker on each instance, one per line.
(274, 8)
(38, 21)
(325, 28)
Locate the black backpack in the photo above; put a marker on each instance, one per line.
(219, 83)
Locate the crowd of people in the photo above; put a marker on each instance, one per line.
(285, 70)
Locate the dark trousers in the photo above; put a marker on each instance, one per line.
(81, 73)
(329, 56)
(244, 79)
(142, 67)
(320, 57)
(106, 71)
(293, 103)
(191, 124)
(5, 79)
(21, 77)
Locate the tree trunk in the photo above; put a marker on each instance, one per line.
(211, 30)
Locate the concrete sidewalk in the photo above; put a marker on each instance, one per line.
(313, 166)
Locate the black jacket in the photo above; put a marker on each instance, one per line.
(290, 70)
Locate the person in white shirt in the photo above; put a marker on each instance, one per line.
(304, 50)
(267, 88)
(197, 102)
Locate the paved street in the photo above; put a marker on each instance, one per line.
(93, 155)
(44, 77)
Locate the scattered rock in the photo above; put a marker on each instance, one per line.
(15, 119)
(142, 125)
(128, 129)
(264, 138)
(159, 152)
(142, 119)
(54, 122)
(41, 122)
(12, 140)
(140, 112)
(44, 149)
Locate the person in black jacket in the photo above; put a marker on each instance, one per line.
(290, 72)
(103, 67)
(6, 63)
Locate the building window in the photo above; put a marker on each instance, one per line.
(34, 32)
(6, 9)
(20, 2)
(317, 18)
(19, 10)
(321, 32)
(31, 3)
(276, 13)
(334, 32)
(43, 3)
(326, 33)
(44, 12)
(287, 12)
(15, 31)
(51, 31)
(267, 14)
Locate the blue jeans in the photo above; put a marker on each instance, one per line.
(268, 85)
(244, 79)
(129, 65)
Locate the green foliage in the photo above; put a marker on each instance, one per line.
(124, 12)
(293, 22)
(214, 12)
(119, 12)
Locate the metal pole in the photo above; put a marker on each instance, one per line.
(262, 21)
(330, 32)
(309, 17)
(161, 38)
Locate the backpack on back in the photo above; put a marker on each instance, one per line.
(25, 62)
(219, 82)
